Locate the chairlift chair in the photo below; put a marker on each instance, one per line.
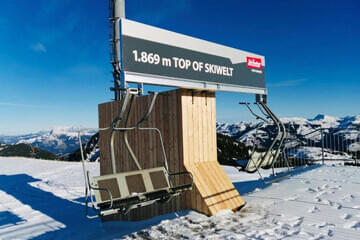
(118, 193)
(266, 159)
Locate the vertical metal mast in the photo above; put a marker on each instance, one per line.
(117, 11)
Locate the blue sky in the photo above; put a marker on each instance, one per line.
(54, 55)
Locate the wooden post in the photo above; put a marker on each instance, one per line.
(187, 121)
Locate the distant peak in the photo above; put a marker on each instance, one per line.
(62, 130)
(321, 117)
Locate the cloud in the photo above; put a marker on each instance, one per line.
(288, 83)
(38, 47)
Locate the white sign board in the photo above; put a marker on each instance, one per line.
(152, 55)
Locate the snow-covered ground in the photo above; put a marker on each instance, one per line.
(42, 199)
(315, 153)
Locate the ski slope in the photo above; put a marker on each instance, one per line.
(42, 199)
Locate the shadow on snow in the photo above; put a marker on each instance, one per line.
(72, 213)
(9, 219)
(246, 187)
(69, 213)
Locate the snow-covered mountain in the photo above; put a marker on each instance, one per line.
(64, 140)
(348, 126)
(321, 137)
(59, 140)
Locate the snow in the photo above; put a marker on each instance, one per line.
(304, 130)
(42, 199)
(315, 153)
(231, 129)
(325, 121)
(349, 134)
(295, 120)
(249, 137)
(354, 147)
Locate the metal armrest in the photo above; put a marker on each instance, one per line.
(183, 173)
(97, 189)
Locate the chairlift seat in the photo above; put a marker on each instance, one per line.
(118, 193)
(258, 159)
(269, 159)
(136, 188)
(253, 163)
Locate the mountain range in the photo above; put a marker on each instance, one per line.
(59, 140)
(346, 130)
(63, 141)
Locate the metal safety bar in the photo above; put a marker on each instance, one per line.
(252, 112)
(129, 104)
(262, 111)
(279, 132)
(182, 173)
(282, 138)
(129, 98)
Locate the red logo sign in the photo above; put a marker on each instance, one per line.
(252, 62)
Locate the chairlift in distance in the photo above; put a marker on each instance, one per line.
(268, 158)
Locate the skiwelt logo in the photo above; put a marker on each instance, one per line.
(252, 62)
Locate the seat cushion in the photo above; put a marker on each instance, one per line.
(158, 180)
(135, 183)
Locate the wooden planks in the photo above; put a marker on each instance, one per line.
(187, 121)
(214, 191)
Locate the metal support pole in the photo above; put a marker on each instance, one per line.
(322, 145)
(117, 8)
(357, 152)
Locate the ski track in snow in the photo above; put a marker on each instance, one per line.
(44, 200)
